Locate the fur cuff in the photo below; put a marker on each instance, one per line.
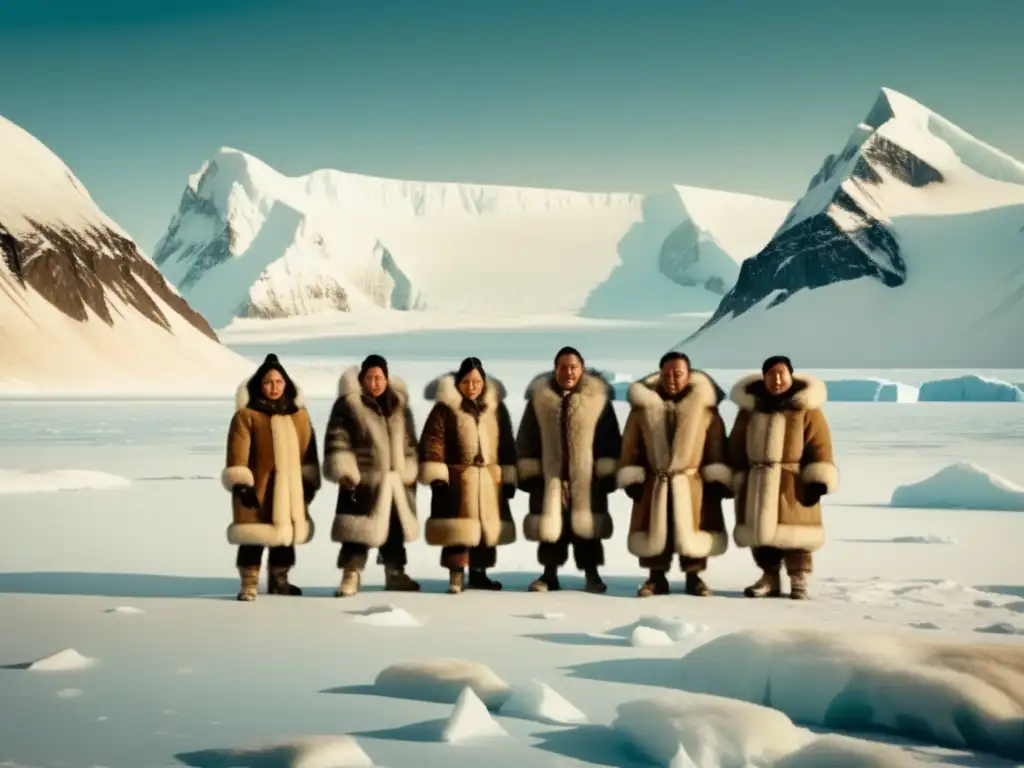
(410, 470)
(342, 466)
(528, 468)
(605, 467)
(431, 471)
(509, 475)
(717, 473)
(632, 475)
(821, 472)
(311, 475)
(236, 475)
(452, 532)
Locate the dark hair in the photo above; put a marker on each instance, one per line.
(373, 361)
(271, 363)
(668, 357)
(569, 351)
(774, 360)
(469, 365)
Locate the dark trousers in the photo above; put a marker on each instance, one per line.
(663, 562)
(478, 558)
(391, 554)
(771, 559)
(587, 553)
(251, 556)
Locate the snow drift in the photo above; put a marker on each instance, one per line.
(81, 307)
(904, 252)
(961, 486)
(247, 242)
(964, 696)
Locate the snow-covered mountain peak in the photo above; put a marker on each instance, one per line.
(248, 241)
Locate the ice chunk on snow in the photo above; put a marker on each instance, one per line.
(17, 481)
(870, 390)
(442, 680)
(961, 486)
(970, 389)
(68, 660)
(959, 695)
(307, 752)
(843, 752)
(675, 628)
(537, 701)
(126, 610)
(696, 731)
(386, 616)
(646, 637)
(470, 720)
(69, 693)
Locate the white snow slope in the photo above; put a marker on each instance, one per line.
(44, 349)
(962, 240)
(249, 242)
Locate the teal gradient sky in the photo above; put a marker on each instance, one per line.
(587, 94)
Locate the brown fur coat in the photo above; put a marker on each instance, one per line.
(674, 468)
(470, 447)
(775, 453)
(569, 443)
(277, 455)
(372, 448)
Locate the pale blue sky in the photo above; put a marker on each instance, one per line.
(589, 94)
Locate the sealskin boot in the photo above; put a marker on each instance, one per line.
(397, 580)
(250, 578)
(456, 582)
(656, 584)
(277, 583)
(478, 579)
(547, 582)
(798, 585)
(594, 585)
(695, 585)
(349, 584)
(769, 585)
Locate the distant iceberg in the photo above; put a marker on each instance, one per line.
(870, 390)
(970, 389)
(961, 486)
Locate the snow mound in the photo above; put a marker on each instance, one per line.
(306, 752)
(1001, 628)
(911, 595)
(926, 539)
(870, 390)
(69, 693)
(538, 701)
(969, 389)
(961, 486)
(691, 730)
(958, 695)
(125, 610)
(442, 680)
(68, 660)
(386, 616)
(18, 481)
(648, 637)
(674, 627)
(836, 751)
(470, 720)
(547, 615)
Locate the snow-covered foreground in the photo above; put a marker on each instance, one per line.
(191, 677)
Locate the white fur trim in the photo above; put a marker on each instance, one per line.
(644, 393)
(431, 471)
(447, 393)
(528, 468)
(342, 465)
(372, 529)
(717, 473)
(802, 537)
(349, 385)
(633, 475)
(605, 467)
(821, 472)
(410, 470)
(237, 475)
(813, 396)
(452, 532)
(509, 475)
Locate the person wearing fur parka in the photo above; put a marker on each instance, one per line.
(370, 452)
(273, 473)
(673, 467)
(567, 453)
(780, 450)
(468, 458)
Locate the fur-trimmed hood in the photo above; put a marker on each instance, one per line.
(589, 384)
(243, 395)
(807, 394)
(348, 385)
(444, 390)
(644, 393)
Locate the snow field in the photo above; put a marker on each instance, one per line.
(963, 485)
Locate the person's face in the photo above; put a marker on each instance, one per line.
(568, 370)
(675, 376)
(778, 379)
(375, 382)
(472, 385)
(273, 385)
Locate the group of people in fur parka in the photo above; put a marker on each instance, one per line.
(674, 458)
